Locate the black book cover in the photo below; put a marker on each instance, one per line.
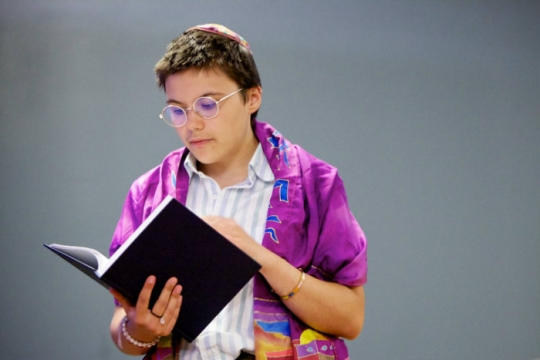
(176, 242)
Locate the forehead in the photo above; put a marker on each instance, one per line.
(195, 78)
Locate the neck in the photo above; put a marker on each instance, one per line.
(234, 171)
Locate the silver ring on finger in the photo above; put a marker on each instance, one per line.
(162, 320)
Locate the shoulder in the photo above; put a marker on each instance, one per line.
(162, 175)
(279, 150)
(313, 165)
(320, 180)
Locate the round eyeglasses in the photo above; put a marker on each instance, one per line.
(205, 106)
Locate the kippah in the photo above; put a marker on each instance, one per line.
(223, 31)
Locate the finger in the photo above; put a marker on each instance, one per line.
(209, 217)
(173, 309)
(144, 297)
(211, 220)
(161, 304)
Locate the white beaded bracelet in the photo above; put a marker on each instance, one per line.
(136, 342)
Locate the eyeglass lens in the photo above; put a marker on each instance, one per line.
(206, 107)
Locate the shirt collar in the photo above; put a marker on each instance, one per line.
(258, 166)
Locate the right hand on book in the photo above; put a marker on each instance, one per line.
(146, 324)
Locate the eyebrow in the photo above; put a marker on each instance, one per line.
(208, 94)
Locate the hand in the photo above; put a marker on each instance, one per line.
(146, 324)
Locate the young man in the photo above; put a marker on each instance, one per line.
(282, 206)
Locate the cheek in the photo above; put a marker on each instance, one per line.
(181, 133)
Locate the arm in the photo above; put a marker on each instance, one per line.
(325, 306)
(142, 325)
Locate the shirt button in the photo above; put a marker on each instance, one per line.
(214, 197)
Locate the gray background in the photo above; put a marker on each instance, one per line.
(430, 109)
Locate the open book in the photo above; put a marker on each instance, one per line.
(172, 241)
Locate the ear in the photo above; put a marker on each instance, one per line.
(254, 99)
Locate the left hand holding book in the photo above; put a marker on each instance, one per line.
(145, 324)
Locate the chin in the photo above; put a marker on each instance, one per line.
(202, 159)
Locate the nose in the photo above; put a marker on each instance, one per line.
(193, 120)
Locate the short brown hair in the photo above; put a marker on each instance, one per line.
(200, 50)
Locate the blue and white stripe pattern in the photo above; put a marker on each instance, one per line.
(247, 203)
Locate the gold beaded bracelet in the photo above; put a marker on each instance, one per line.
(136, 342)
(297, 287)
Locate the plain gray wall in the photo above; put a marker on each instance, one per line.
(430, 109)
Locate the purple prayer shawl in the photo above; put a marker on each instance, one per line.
(309, 224)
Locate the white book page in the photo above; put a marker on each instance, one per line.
(86, 255)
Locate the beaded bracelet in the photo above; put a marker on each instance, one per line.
(136, 342)
(296, 289)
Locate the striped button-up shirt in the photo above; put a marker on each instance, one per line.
(246, 203)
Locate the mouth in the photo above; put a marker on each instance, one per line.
(198, 142)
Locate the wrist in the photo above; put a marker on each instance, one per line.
(140, 344)
(294, 291)
(270, 262)
(284, 279)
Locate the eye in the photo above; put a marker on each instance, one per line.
(206, 104)
(176, 111)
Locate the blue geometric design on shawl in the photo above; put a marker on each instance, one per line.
(281, 327)
(272, 233)
(283, 186)
(273, 218)
(281, 145)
